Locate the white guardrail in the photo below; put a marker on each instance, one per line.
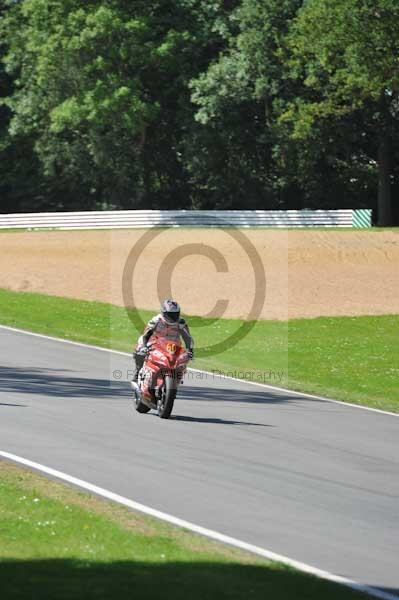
(126, 219)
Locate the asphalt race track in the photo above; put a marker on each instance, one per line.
(310, 479)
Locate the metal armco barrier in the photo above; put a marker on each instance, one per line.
(126, 219)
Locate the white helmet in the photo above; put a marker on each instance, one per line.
(170, 310)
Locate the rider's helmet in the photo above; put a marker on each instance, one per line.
(170, 311)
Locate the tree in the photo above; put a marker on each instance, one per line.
(239, 94)
(81, 68)
(18, 164)
(211, 103)
(102, 89)
(345, 52)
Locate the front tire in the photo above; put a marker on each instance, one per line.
(166, 401)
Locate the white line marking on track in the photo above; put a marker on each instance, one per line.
(262, 385)
(62, 340)
(209, 533)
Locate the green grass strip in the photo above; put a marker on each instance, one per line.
(59, 543)
(354, 359)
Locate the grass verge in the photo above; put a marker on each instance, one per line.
(354, 359)
(60, 543)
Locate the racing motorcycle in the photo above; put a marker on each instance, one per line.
(159, 378)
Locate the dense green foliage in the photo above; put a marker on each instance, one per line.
(199, 104)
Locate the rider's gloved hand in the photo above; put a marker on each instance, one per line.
(190, 354)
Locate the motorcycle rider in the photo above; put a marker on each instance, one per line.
(168, 325)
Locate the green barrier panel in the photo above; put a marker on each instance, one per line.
(361, 217)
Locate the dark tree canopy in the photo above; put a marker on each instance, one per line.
(199, 104)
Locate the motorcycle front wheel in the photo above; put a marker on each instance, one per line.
(166, 401)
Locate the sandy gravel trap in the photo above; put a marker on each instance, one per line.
(216, 272)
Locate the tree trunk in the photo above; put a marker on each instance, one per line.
(384, 183)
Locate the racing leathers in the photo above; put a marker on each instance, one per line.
(161, 328)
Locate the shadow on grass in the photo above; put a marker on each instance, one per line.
(70, 580)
